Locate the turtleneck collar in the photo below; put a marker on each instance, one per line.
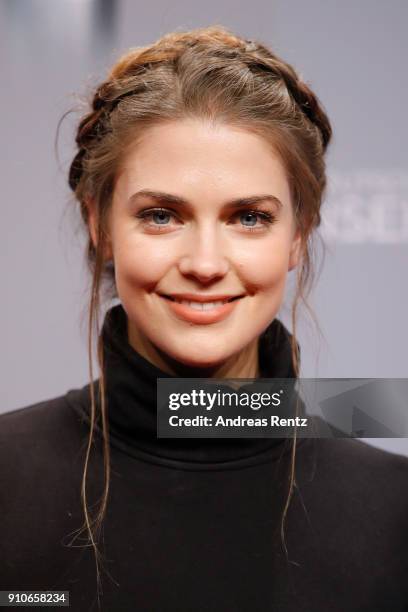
(131, 394)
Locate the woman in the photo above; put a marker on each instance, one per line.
(200, 175)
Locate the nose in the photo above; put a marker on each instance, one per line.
(204, 257)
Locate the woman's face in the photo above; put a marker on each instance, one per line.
(200, 212)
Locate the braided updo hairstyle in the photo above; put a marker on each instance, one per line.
(207, 73)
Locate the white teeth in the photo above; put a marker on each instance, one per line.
(202, 305)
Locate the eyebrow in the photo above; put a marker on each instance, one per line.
(162, 197)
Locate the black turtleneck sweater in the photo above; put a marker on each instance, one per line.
(193, 525)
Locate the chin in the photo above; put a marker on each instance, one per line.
(202, 363)
(196, 358)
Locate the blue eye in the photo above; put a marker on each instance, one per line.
(156, 217)
(266, 218)
(250, 214)
(159, 214)
(155, 214)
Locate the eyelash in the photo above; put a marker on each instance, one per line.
(266, 217)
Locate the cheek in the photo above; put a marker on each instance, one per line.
(265, 266)
(141, 263)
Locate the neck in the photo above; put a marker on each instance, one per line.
(244, 364)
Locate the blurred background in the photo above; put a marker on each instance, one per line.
(354, 56)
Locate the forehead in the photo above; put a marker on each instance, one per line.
(196, 158)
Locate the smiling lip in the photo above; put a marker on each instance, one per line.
(201, 317)
(200, 297)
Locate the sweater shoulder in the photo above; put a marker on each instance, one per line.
(19, 418)
(355, 475)
(43, 429)
(356, 453)
(359, 454)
